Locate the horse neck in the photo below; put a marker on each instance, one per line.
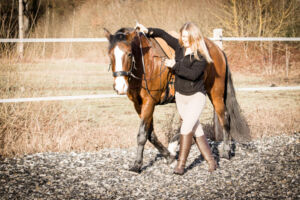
(144, 55)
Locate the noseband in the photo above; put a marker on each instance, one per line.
(126, 73)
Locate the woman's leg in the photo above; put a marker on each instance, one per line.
(205, 150)
(201, 142)
(189, 110)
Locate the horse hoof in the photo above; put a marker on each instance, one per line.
(225, 154)
(135, 168)
(170, 160)
(173, 164)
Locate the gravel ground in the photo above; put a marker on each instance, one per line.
(262, 169)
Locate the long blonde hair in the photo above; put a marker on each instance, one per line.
(196, 41)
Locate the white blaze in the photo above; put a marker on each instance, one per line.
(120, 83)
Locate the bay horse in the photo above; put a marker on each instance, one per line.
(140, 73)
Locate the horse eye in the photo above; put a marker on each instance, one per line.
(130, 54)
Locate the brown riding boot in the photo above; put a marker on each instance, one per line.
(205, 150)
(185, 146)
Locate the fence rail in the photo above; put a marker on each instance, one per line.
(260, 39)
(54, 40)
(102, 96)
(250, 39)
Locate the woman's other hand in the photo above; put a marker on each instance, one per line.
(170, 62)
(141, 27)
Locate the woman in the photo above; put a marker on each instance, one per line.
(191, 58)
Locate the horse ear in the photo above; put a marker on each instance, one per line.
(108, 35)
(131, 35)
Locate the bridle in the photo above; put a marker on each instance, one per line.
(126, 73)
(133, 66)
(129, 73)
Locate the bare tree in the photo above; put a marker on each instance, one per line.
(21, 30)
(267, 18)
(26, 21)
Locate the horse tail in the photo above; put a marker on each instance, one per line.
(239, 129)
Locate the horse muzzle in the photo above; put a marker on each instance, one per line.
(120, 85)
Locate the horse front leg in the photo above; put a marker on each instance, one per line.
(141, 141)
(146, 132)
(146, 127)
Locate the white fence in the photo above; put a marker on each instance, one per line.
(250, 39)
(102, 96)
(54, 40)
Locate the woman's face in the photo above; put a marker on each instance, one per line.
(185, 38)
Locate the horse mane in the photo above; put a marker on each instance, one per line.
(124, 30)
(119, 36)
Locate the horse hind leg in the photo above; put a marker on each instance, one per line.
(218, 129)
(174, 132)
(223, 121)
(160, 147)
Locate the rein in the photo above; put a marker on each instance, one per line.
(144, 70)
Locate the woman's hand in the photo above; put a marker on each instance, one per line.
(170, 62)
(141, 27)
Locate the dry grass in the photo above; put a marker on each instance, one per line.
(271, 113)
(39, 127)
(53, 78)
(89, 125)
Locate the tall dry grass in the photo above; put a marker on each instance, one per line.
(89, 18)
(43, 127)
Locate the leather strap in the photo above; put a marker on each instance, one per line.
(121, 73)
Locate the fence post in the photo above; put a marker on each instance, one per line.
(21, 30)
(217, 32)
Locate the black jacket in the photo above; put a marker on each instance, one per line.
(189, 72)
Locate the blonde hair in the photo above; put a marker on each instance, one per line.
(196, 41)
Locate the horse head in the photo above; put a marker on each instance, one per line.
(121, 57)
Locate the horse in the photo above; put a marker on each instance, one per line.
(140, 73)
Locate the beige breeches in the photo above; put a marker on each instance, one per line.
(190, 108)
